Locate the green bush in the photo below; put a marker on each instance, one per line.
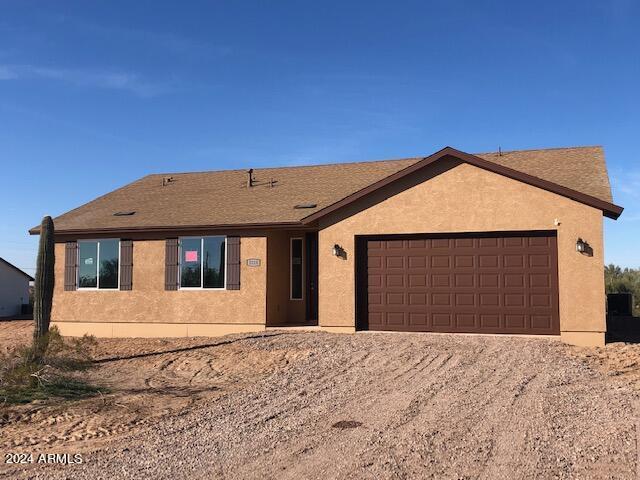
(25, 377)
(627, 280)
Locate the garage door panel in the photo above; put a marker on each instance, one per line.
(395, 298)
(539, 260)
(466, 320)
(489, 321)
(514, 261)
(464, 261)
(440, 280)
(417, 298)
(488, 261)
(542, 280)
(374, 245)
(418, 319)
(395, 280)
(543, 322)
(374, 261)
(440, 299)
(464, 299)
(513, 242)
(463, 243)
(417, 244)
(375, 298)
(540, 300)
(395, 318)
(539, 242)
(487, 242)
(512, 320)
(375, 319)
(439, 243)
(464, 279)
(441, 320)
(417, 280)
(489, 280)
(485, 284)
(489, 299)
(394, 262)
(513, 280)
(514, 300)
(440, 261)
(417, 262)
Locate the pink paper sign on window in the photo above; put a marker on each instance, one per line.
(191, 256)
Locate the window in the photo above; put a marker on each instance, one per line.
(202, 262)
(296, 268)
(99, 264)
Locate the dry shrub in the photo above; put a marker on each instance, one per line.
(25, 377)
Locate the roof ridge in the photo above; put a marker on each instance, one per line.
(359, 162)
(576, 147)
(333, 164)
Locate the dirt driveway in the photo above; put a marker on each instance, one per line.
(386, 406)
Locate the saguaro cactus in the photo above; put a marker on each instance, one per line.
(43, 294)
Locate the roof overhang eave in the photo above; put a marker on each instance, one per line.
(170, 228)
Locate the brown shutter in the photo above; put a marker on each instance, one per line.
(233, 263)
(171, 264)
(70, 265)
(126, 264)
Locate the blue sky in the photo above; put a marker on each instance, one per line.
(96, 94)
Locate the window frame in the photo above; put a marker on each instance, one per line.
(201, 287)
(302, 269)
(97, 287)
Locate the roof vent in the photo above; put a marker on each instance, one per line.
(167, 180)
(306, 205)
(250, 178)
(125, 213)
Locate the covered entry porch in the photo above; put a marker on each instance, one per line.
(292, 278)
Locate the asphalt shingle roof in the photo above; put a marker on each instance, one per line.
(223, 198)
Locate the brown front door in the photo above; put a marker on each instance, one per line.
(311, 267)
(480, 283)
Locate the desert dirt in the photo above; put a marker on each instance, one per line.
(318, 405)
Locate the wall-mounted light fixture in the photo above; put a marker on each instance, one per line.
(583, 247)
(338, 251)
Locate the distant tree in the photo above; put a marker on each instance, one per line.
(627, 280)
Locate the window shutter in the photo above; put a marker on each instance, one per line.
(233, 263)
(126, 264)
(171, 264)
(70, 265)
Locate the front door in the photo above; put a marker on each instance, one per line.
(311, 267)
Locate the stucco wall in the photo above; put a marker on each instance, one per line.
(14, 291)
(149, 303)
(465, 198)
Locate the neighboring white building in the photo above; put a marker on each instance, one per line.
(14, 289)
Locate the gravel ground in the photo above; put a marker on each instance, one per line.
(392, 406)
(141, 381)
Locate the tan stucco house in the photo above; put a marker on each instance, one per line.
(497, 243)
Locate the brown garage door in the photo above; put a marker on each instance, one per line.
(500, 283)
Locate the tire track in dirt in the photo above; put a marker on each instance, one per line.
(146, 389)
(430, 406)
